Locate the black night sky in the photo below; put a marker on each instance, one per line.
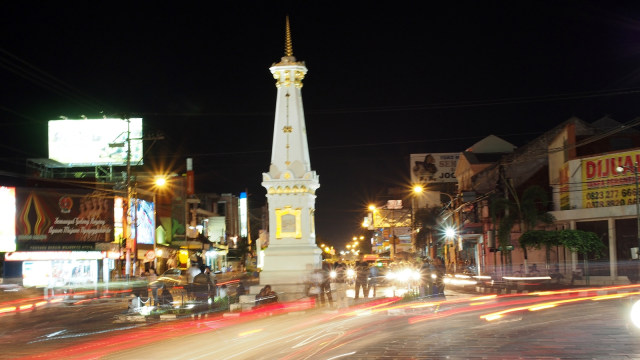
(384, 81)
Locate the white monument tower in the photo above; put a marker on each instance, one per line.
(291, 184)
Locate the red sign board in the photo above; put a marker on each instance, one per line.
(62, 215)
(190, 183)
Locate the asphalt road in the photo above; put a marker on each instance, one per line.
(53, 326)
(560, 326)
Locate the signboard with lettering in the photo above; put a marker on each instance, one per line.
(64, 215)
(433, 168)
(603, 186)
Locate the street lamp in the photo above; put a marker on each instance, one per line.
(159, 183)
(417, 190)
(634, 168)
(449, 232)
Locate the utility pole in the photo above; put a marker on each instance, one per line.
(243, 265)
(132, 200)
(393, 236)
(129, 197)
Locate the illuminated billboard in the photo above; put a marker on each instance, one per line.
(216, 229)
(7, 219)
(95, 142)
(63, 215)
(433, 168)
(243, 214)
(118, 219)
(145, 215)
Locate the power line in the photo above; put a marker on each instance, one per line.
(45, 80)
(477, 103)
(432, 106)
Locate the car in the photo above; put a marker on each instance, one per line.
(170, 278)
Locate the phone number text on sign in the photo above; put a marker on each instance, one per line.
(604, 198)
(609, 180)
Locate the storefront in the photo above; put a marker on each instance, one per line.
(216, 258)
(59, 268)
(64, 237)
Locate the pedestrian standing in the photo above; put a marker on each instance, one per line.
(153, 284)
(362, 273)
(171, 262)
(373, 280)
(325, 286)
(193, 271)
(202, 288)
(315, 285)
(440, 273)
(341, 285)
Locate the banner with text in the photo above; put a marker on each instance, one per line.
(603, 185)
(62, 215)
(433, 168)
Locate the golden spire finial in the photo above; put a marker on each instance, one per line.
(288, 45)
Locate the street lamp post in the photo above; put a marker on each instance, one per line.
(159, 183)
(372, 225)
(451, 233)
(417, 190)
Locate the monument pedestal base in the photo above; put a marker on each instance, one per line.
(287, 269)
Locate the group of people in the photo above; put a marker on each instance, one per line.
(323, 287)
(201, 285)
(266, 296)
(319, 285)
(366, 279)
(432, 275)
(160, 293)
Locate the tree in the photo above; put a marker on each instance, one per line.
(244, 250)
(502, 213)
(583, 242)
(532, 212)
(529, 210)
(538, 238)
(425, 223)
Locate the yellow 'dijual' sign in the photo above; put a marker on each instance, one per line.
(603, 186)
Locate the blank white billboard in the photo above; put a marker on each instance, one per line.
(94, 141)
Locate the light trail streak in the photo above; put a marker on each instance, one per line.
(341, 355)
(138, 337)
(488, 297)
(551, 304)
(250, 332)
(517, 278)
(7, 309)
